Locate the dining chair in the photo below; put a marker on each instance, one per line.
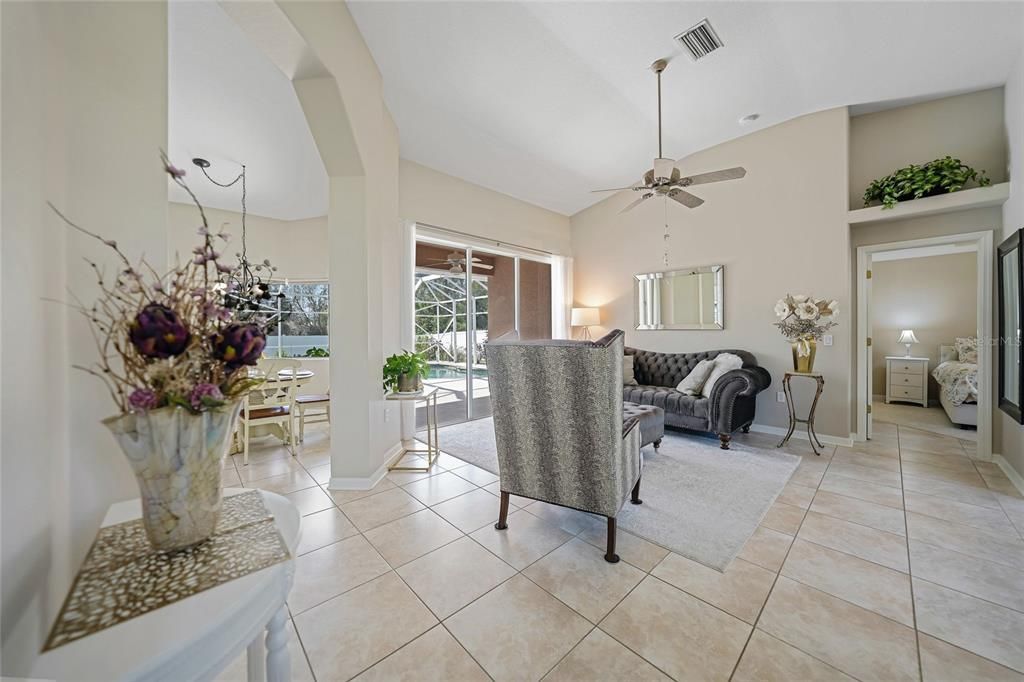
(271, 403)
(313, 402)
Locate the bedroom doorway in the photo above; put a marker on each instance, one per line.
(924, 315)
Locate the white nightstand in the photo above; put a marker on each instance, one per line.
(906, 379)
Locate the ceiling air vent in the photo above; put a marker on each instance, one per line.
(700, 40)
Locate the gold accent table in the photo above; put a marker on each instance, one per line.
(812, 436)
(429, 397)
(194, 637)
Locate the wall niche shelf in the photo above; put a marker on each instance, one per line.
(978, 197)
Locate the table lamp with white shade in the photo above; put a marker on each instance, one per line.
(586, 318)
(907, 338)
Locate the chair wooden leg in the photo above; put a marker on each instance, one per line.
(302, 424)
(610, 556)
(245, 442)
(502, 523)
(724, 438)
(635, 499)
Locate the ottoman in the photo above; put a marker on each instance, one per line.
(652, 422)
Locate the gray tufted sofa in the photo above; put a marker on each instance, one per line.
(730, 406)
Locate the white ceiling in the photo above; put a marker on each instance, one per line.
(546, 101)
(229, 104)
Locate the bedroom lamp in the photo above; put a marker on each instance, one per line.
(907, 338)
(586, 318)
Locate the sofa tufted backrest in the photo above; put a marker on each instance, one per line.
(668, 369)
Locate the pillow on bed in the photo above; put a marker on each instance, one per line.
(967, 349)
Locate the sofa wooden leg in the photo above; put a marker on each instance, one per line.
(724, 438)
(746, 429)
(610, 556)
(502, 523)
(657, 444)
(635, 499)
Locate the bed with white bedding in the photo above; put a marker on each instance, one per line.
(957, 377)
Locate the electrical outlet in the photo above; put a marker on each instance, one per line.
(780, 397)
(827, 339)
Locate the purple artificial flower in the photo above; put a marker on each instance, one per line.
(174, 171)
(143, 399)
(158, 332)
(239, 344)
(205, 395)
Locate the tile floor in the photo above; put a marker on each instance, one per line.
(902, 558)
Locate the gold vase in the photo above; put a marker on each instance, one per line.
(177, 458)
(803, 355)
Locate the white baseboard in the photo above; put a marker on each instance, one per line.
(368, 482)
(1011, 473)
(801, 434)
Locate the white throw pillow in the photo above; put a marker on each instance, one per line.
(967, 349)
(694, 381)
(724, 362)
(628, 373)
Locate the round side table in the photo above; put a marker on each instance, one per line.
(787, 388)
(197, 637)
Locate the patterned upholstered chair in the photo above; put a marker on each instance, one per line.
(559, 427)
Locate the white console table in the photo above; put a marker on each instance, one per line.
(197, 637)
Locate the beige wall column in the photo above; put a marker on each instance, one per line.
(84, 117)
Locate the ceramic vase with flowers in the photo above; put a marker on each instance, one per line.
(804, 320)
(176, 363)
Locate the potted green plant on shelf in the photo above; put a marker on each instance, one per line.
(404, 373)
(940, 176)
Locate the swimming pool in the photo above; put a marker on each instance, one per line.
(452, 372)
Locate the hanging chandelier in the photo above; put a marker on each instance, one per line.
(247, 286)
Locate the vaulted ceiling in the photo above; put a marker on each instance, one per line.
(546, 101)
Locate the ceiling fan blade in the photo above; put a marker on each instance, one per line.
(636, 203)
(717, 176)
(685, 198)
(482, 266)
(611, 189)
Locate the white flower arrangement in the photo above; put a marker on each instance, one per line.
(805, 318)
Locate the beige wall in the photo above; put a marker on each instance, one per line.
(431, 197)
(1008, 436)
(968, 127)
(782, 229)
(298, 248)
(84, 116)
(935, 296)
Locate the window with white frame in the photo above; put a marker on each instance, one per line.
(302, 328)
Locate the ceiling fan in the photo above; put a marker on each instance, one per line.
(664, 179)
(457, 262)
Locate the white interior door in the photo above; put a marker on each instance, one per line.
(869, 352)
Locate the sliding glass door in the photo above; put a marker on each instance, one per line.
(463, 297)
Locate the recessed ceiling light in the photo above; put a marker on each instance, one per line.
(749, 118)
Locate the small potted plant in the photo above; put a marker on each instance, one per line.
(940, 176)
(404, 373)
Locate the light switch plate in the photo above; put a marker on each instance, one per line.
(780, 397)
(827, 339)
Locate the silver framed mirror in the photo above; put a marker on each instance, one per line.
(688, 298)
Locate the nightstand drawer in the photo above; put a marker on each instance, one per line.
(906, 380)
(907, 392)
(906, 367)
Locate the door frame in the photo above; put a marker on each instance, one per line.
(983, 331)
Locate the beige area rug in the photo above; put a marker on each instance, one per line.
(931, 419)
(699, 501)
